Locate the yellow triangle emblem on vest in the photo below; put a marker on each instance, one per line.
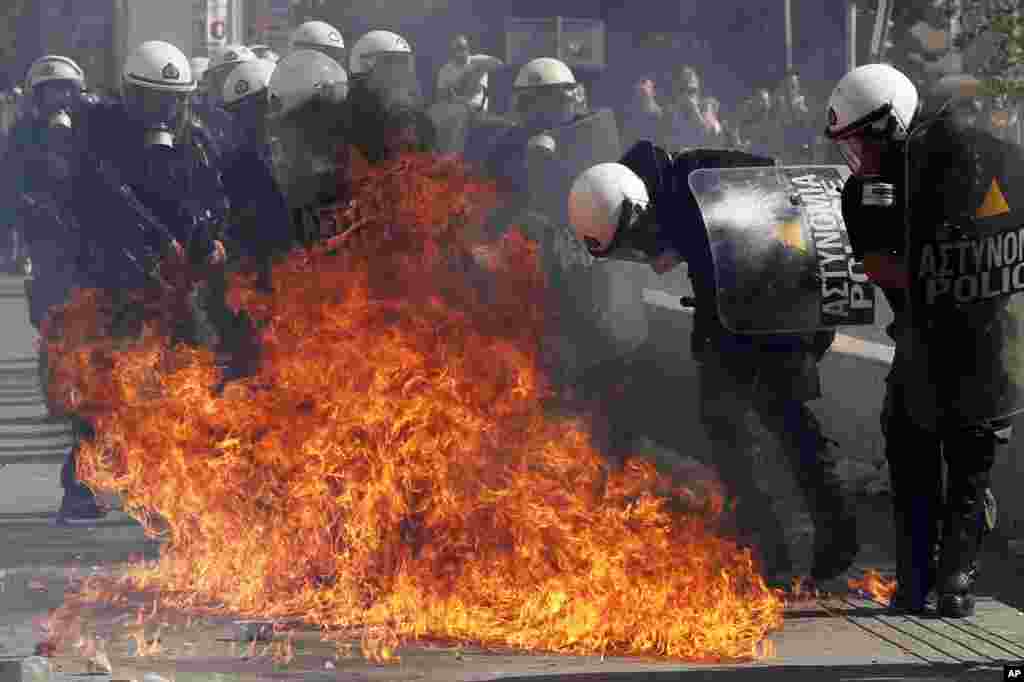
(994, 204)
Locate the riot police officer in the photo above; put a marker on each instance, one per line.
(600, 316)
(259, 222)
(44, 157)
(924, 185)
(308, 123)
(387, 108)
(319, 36)
(41, 152)
(643, 210)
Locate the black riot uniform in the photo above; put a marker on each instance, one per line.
(937, 184)
(47, 168)
(259, 225)
(774, 376)
(133, 206)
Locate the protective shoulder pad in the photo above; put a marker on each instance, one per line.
(650, 162)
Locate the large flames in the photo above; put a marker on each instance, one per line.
(392, 465)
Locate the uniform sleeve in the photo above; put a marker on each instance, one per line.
(873, 215)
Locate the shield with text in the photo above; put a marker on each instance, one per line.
(782, 257)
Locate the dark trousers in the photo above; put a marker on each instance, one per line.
(956, 516)
(69, 473)
(737, 396)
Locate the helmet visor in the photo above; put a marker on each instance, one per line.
(158, 108)
(863, 153)
(392, 62)
(56, 95)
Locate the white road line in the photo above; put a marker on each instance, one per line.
(847, 345)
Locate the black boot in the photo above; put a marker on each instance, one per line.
(79, 504)
(915, 567)
(915, 476)
(916, 512)
(969, 515)
(958, 568)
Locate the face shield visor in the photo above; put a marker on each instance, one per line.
(864, 144)
(547, 105)
(163, 114)
(55, 101)
(392, 62)
(306, 160)
(638, 236)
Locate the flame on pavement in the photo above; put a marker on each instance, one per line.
(392, 467)
(874, 585)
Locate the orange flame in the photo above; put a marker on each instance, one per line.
(875, 585)
(391, 466)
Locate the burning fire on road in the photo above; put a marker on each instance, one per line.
(392, 465)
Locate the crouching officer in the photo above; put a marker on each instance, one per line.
(642, 209)
(926, 195)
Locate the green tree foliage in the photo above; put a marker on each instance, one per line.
(1003, 74)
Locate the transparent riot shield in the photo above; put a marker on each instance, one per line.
(964, 341)
(782, 257)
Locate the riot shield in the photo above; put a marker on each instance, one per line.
(964, 341)
(782, 257)
(394, 82)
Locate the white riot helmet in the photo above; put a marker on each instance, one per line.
(247, 80)
(230, 56)
(319, 36)
(606, 202)
(544, 71)
(545, 90)
(54, 84)
(223, 62)
(376, 45)
(156, 84)
(302, 77)
(871, 107)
